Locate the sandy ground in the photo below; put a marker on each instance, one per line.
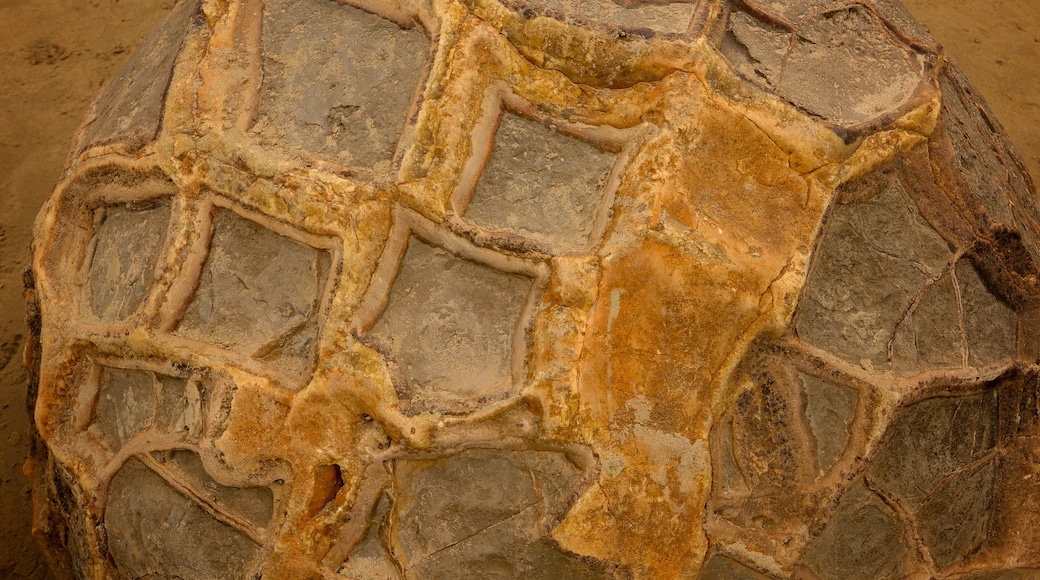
(55, 54)
(997, 43)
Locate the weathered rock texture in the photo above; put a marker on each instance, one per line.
(539, 289)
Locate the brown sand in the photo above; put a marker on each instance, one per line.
(997, 43)
(55, 54)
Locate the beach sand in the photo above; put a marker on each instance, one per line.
(56, 54)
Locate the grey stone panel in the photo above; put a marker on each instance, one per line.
(844, 67)
(722, 568)
(259, 294)
(989, 324)
(931, 440)
(370, 559)
(481, 513)
(797, 11)
(504, 555)
(154, 531)
(840, 64)
(982, 169)
(125, 405)
(338, 81)
(255, 504)
(829, 410)
(794, 11)
(892, 225)
(540, 183)
(862, 541)
(130, 107)
(127, 245)
(450, 323)
(986, 179)
(182, 406)
(673, 17)
(451, 499)
(932, 335)
(955, 520)
(1017, 574)
(295, 351)
(873, 258)
(756, 49)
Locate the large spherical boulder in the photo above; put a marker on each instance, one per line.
(538, 289)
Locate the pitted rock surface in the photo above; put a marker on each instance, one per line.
(394, 289)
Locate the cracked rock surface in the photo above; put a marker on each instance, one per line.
(518, 289)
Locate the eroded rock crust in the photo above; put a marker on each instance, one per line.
(422, 288)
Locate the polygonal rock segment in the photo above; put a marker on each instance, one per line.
(667, 17)
(259, 294)
(451, 324)
(986, 161)
(1012, 540)
(955, 520)
(984, 332)
(981, 168)
(338, 81)
(182, 406)
(756, 49)
(841, 64)
(504, 555)
(844, 67)
(1017, 574)
(131, 105)
(933, 328)
(862, 541)
(156, 532)
(795, 12)
(540, 183)
(931, 440)
(370, 558)
(453, 499)
(829, 411)
(253, 504)
(989, 325)
(873, 258)
(125, 405)
(482, 513)
(722, 568)
(127, 245)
